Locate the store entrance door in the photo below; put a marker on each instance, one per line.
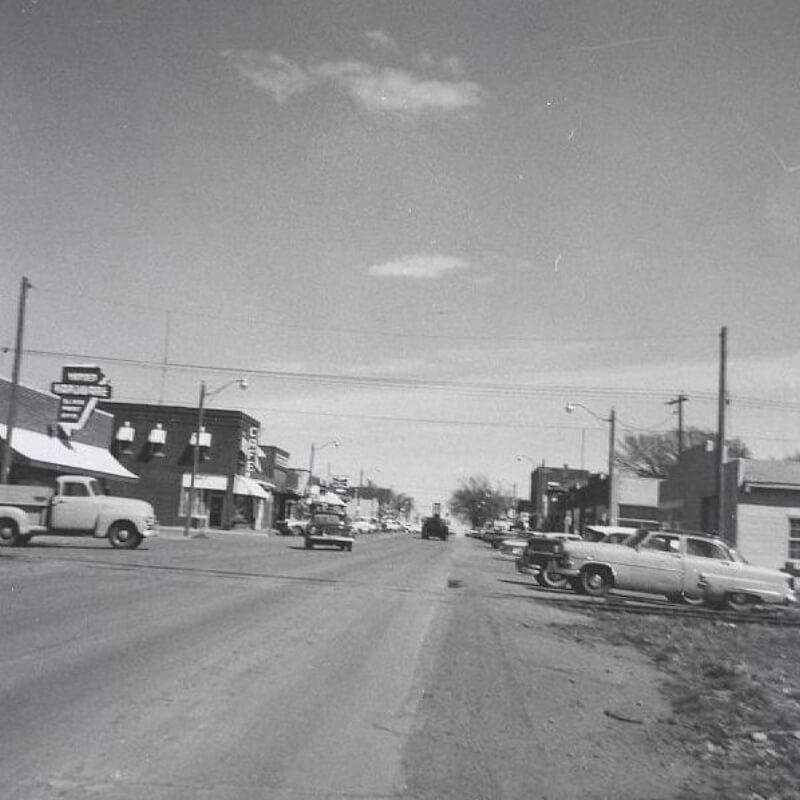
(215, 510)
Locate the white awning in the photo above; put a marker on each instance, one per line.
(219, 483)
(52, 451)
(244, 485)
(329, 499)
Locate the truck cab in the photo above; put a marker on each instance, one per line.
(76, 505)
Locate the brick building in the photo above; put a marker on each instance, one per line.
(231, 486)
(43, 449)
(761, 504)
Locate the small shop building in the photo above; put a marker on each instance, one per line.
(42, 448)
(157, 443)
(761, 504)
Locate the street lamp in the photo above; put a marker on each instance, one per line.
(204, 395)
(612, 455)
(314, 450)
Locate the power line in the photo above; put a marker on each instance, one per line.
(250, 321)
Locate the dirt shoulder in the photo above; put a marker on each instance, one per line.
(517, 705)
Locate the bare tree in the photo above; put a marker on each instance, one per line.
(476, 502)
(650, 454)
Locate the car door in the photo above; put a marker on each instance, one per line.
(74, 509)
(708, 568)
(657, 565)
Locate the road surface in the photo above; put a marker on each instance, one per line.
(242, 666)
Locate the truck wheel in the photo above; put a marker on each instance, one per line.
(123, 535)
(595, 582)
(9, 533)
(549, 579)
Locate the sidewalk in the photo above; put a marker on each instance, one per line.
(177, 532)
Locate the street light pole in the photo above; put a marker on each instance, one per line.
(314, 451)
(204, 394)
(612, 456)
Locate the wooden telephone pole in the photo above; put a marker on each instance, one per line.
(679, 401)
(11, 419)
(722, 400)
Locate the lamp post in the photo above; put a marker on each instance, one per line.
(612, 455)
(204, 395)
(314, 450)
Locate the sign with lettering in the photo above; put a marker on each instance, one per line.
(79, 389)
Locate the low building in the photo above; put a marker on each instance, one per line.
(761, 504)
(43, 449)
(548, 486)
(587, 503)
(157, 443)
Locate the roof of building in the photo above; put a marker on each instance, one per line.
(771, 472)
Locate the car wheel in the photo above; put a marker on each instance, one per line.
(595, 581)
(123, 535)
(737, 601)
(309, 544)
(685, 599)
(297, 531)
(9, 533)
(550, 579)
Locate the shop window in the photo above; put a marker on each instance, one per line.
(124, 439)
(794, 538)
(157, 438)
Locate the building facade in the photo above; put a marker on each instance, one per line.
(156, 442)
(761, 504)
(587, 503)
(43, 449)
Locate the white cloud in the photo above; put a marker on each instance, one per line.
(374, 88)
(271, 72)
(380, 39)
(418, 266)
(397, 90)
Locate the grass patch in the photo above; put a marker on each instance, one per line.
(735, 695)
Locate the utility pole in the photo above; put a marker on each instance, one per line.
(722, 400)
(679, 401)
(613, 511)
(5, 463)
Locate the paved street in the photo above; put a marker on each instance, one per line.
(243, 666)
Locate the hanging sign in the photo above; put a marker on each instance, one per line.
(79, 389)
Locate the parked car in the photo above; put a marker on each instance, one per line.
(674, 564)
(539, 555)
(291, 526)
(364, 525)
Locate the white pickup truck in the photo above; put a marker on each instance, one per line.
(76, 506)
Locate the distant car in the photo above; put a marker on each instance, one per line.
(675, 564)
(328, 530)
(514, 546)
(291, 527)
(363, 525)
(435, 527)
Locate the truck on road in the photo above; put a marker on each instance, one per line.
(76, 506)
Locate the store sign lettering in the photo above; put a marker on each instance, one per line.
(79, 389)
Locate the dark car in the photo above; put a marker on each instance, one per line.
(328, 530)
(435, 527)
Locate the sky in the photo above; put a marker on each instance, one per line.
(417, 228)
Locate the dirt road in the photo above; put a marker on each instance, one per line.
(246, 667)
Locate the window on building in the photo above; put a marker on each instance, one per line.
(794, 537)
